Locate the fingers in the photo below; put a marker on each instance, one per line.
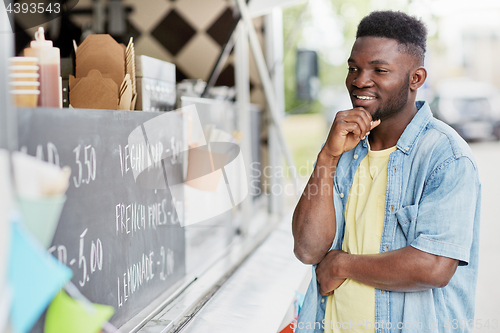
(351, 127)
(367, 117)
(348, 128)
(357, 116)
(374, 124)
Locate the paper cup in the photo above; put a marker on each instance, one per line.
(23, 69)
(23, 61)
(26, 98)
(199, 172)
(24, 85)
(41, 216)
(24, 76)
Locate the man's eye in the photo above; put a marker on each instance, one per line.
(378, 70)
(352, 69)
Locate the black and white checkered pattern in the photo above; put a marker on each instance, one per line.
(188, 33)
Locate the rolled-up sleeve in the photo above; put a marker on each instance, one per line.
(446, 211)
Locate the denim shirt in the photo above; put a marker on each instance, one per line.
(432, 203)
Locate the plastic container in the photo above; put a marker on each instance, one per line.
(24, 77)
(23, 69)
(26, 61)
(49, 60)
(24, 85)
(25, 98)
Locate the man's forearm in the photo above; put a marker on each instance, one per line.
(404, 270)
(313, 222)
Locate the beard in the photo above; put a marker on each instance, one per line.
(394, 104)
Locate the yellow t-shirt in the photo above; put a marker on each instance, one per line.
(351, 308)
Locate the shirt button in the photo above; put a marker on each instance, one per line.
(392, 208)
(381, 291)
(356, 156)
(322, 300)
(386, 248)
(407, 148)
(394, 169)
(342, 195)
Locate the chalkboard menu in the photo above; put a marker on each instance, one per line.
(124, 243)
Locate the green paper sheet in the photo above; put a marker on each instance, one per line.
(68, 315)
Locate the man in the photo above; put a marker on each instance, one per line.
(390, 215)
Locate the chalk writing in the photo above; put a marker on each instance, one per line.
(138, 157)
(89, 161)
(52, 153)
(136, 275)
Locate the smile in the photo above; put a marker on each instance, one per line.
(364, 97)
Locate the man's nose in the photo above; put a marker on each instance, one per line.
(362, 80)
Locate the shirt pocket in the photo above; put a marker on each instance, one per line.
(407, 220)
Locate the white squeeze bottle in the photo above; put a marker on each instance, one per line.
(49, 60)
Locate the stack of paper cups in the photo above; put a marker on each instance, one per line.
(24, 85)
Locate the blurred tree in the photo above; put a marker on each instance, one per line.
(293, 20)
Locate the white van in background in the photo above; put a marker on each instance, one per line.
(472, 108)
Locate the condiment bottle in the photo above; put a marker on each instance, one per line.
(49, 60)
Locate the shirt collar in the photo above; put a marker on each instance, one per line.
(412, 131)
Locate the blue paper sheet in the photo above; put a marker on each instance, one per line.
(35, 278)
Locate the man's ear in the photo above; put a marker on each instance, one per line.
(417, 78)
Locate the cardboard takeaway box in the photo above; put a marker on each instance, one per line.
(104, 75)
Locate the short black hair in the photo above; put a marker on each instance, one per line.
(409, 31)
